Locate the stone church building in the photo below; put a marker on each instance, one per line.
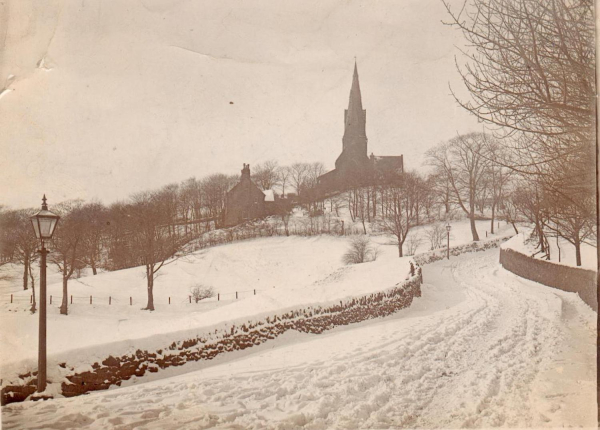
(354, 167)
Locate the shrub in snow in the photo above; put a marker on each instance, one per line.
(436, 235)
(360, 251)
(201, 292)
(412, 243)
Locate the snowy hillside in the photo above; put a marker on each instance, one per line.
(481, 348)
(285, 271)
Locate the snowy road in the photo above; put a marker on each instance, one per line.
(481, 348)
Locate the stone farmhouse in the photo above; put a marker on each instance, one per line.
(245, 201)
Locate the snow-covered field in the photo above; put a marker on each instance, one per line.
(480, 348)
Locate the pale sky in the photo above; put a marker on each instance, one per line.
(108, 98)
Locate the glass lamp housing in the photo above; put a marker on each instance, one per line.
(44, 223)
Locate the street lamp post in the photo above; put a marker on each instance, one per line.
(448, 228)
(44, 222)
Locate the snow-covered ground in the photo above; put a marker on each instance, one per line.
(285, 271)
(589, 256)
(480, 348)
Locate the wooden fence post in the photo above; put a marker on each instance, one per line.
(236, 295)
(71, 298)
(31, 298)
(51, 299)
(218, 296)
(109, 300)
(130, 301)
(90, 300)
(169, 300)
(255, 291)
(11, 298)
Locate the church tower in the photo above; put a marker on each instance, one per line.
(354, 142)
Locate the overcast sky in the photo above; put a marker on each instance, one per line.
(107, 98)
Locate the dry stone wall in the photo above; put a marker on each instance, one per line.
(565, 278)
(312, 319)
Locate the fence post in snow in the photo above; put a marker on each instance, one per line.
(130, 301)
(109, 300)
(190, 299)
(50, 299)
(169, 300)
(90, 300)
(11, 298)
(236, 295)
(218, 296)
(31, 298)
(255, 291)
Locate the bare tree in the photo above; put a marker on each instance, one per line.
(284, 175)
(152, 241)
(214, 189)
(463, 162)
(399, 215)
(529, 200)
(298, 176)
(509, 212)
(498, 177)
(266, 175)
(18, 235)
(95, 218)
(570, 223)
(530, 70)
(67, 244)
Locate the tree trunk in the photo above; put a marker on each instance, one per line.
(25, 271)
(578, 252)
(64, 307)
(473, 227)
(150, 277)
(515, 227)
(33, 305)
(493, 213)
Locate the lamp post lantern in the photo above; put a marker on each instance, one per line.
(44, 223)
(448, 228)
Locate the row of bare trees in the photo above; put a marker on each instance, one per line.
(300, 178)
(529, 68)
(149, 229)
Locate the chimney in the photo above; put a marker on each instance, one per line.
(246, 172)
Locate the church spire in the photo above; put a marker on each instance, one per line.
(354, 142)
(355, 102)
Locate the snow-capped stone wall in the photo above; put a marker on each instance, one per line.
(440, 254)
(566, 278)
(312, 319)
